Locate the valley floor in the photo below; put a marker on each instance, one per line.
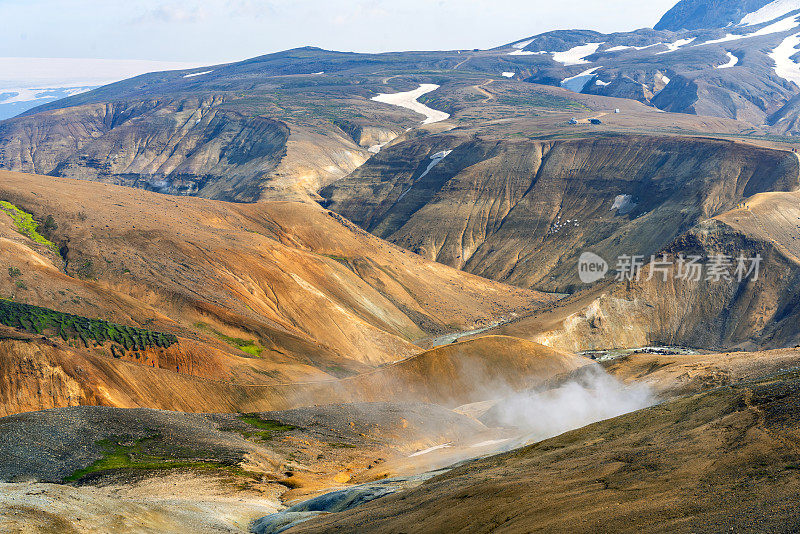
(724, 425)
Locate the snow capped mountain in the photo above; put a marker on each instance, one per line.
(734, 59)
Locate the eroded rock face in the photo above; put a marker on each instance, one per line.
(724, 314)
(522, 212)
(190, 146)
(180, 147)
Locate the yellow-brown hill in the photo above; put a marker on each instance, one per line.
(39, 374)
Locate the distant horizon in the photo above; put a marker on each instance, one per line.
(224, 31)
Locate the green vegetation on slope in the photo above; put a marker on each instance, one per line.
(34, 319)
(541, 100)
(267, 426)
(26, 225)
(120, 455)
(250, 347)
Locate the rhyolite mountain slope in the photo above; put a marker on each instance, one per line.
(756, 312)
(523, 211)
(265, 293)
(283, 125)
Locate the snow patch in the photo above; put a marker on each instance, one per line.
(192, 75)
(527, 53)
(431, 449)
(623, 47)
(408, 100)
(672, 47)
(558, 225)
(578, 83)
(435, 159)
(770, 12)
(624, 204)
(522, 44)
(374, 149)
(601, 83)
(507, 74)
(782, 56)
(781, 26)
(732, 63)
(576, 55)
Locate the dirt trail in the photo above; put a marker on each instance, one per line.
(480, 88)
(461, 63)
(587, 119)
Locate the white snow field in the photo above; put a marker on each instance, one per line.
(733, 60)
(784, 66)
(507, 74)
(408, 100)
(192, 75)
(575, 55)
(522, 44)
(625, 47)
(783, 25)
(527, 53)
(578, 82)
(435, 159)
(770, 12)
(672, 47)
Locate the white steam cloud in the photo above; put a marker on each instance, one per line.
(592, 396)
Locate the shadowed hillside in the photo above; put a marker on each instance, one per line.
(522, 212)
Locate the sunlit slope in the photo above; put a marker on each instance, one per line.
(39, 375)
(718, 461)
(263, 293)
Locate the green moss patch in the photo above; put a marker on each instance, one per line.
(248, 346)
(267, 427)
(26, 225)
(119, 455)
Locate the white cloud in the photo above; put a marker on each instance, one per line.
(213, 31)
(172, 13)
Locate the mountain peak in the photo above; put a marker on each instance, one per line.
(701, 14)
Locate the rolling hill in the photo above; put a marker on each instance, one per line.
(257, 294)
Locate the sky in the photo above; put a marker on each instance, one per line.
(216, 31)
